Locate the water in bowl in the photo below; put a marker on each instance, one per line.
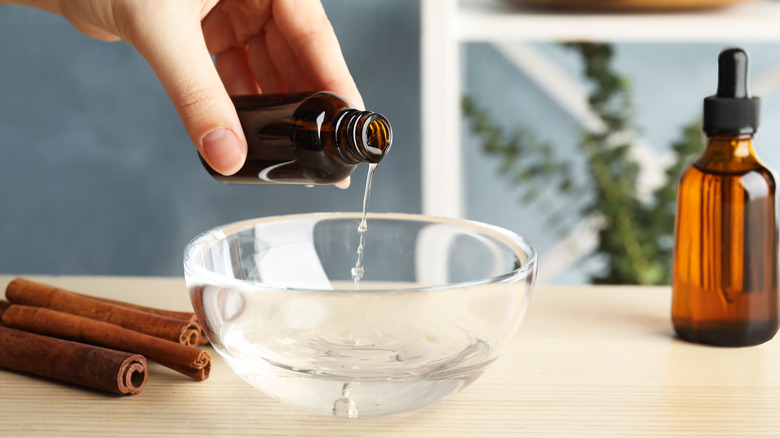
(359, 355)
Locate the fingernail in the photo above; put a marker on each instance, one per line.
(223, 151)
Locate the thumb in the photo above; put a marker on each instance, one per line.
(173, 44)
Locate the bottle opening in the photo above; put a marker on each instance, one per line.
(366, 136)
(377, 136)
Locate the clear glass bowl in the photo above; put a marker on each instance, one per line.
(281, 300)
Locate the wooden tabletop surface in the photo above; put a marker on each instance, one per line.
(588, 361)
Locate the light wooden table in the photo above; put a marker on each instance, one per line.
(588, 361)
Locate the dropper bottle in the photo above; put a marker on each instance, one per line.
(724, 286)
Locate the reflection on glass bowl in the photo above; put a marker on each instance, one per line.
(437, 302)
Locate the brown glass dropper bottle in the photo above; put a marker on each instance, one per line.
(305, 138)
(724, 286)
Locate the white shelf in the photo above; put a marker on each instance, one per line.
(494, 20)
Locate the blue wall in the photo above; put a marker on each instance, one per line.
(98, 176)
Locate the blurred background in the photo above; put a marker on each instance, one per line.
(98, 176)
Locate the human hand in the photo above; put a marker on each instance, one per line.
(266, 46)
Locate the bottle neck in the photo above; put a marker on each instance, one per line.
(728, 153)
(362, 136)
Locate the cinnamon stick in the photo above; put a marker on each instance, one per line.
(3, 305)
(23, 291)
(85, 365)
(182, 316)
(187, 360)
(197, 296)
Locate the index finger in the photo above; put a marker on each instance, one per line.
(307, 30)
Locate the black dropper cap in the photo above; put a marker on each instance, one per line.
(732, 110)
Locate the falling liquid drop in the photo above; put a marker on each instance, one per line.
(357, 271)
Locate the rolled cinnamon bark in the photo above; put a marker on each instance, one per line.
(196, 297)
(183, 316)
(3, 305)
(85, 365)
(187, 360)
(23, 291)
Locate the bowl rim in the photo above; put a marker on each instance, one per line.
(218, 232)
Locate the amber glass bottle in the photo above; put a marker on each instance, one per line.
(305, 138)
(725, 257)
